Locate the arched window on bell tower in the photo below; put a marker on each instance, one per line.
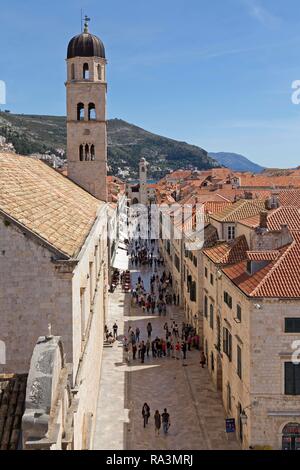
(80, 112)
(92, 112)
(87, 152)
(92, 152)
(81, 153)
(86, 72)
(73, 72)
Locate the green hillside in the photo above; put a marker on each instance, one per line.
(126, 144)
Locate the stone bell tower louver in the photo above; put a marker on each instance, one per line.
(86, 113)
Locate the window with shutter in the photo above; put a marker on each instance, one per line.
(292, 325)
(239, 362)
(291, 379)
(211, 321)
(205, 307)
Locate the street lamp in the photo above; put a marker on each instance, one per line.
(243, 414)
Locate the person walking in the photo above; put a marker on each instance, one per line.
(148, 347)
(134, 351)
(115, 330)
(143, 352)
(157, 422)
(146, 413)
(149, 330)
(165, 417)
(137, 334)
(183, 348)
(177, 350)
(168, 348)
(203, 360)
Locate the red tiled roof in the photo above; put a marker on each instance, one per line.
(239, 210)
(284, 215)
(263, 255)
(261, 181)
(290, 198)
(12, 401)
(279, 279)
(228, 253)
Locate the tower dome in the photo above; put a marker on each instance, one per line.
(86, 45)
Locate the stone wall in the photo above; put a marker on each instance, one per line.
(33, 293)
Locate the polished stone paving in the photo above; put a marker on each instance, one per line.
(183, 387)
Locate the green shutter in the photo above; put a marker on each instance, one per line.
(289, 388)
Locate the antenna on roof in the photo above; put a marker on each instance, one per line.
(81, 20)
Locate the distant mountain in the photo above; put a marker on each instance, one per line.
(126, 144)
(236, 162)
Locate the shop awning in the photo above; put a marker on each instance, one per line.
(121, 260)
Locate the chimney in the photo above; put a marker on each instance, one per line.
(263, 219)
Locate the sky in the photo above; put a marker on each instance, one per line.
(214, 73)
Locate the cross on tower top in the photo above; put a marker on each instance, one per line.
(86, 24)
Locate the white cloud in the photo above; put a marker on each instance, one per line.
(261, 14)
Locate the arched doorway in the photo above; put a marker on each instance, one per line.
(291, 437)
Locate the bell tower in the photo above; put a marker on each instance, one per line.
(86, 88)
(143, 165)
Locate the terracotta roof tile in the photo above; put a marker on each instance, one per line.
(263, 255)
(46, 203)
(12, 401)
(279, 279)
(228, 253)
(284, 215)
(239, 210)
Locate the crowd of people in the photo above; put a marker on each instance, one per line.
(155, 297)
(172, 344)
(143, 253)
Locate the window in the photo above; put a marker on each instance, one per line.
(177, 263)
(205, 272)
(81, 153)
(92, 112)
(92, 152)
(239, 312)
(229, 405)
(231, 232)
(218, 333)
(87, 152)
(193, 292)
(212, 360)
(227, 343)
(205, 306)
(211, 316)
(72, 72)
(212, 279)
(80, 112)
(195, 261)
(227, 299)
(86, 73)
(99, 68)
(91, 279)
(291, 378)
(292, 325)
(82, 309)
(239, 362)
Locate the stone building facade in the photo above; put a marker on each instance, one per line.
(251, 321)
